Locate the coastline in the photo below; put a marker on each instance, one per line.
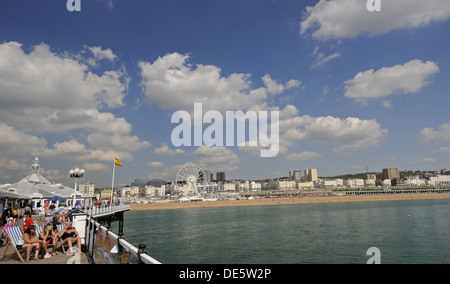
(289, 200)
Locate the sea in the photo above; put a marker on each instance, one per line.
(401, 232)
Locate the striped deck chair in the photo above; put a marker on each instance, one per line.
(39, 229)
(60, 228)
(15, 235)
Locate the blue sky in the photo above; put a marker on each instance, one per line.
(80, 88)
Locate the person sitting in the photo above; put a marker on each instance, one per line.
(15, 214)
(31, 241)
(69, 235)
(64, 217)
(28, 221)
(50, 239)
(55, 222)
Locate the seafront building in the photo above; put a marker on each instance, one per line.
(311, 175)
(87, 188)
(220, 177)
(440, 180)
(353, 183)
(37, 189)
(370, 182)
(391, 173)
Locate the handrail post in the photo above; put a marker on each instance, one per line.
(142, 250)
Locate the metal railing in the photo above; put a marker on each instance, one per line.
(96, 211)
(92, 228)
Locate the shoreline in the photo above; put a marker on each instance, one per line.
(289, 201)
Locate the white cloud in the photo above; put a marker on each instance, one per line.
(165, 150)
(276, 88)
(155, 165)
(15, 142)
(47, 92)
(44, 92)
(216, 158)
(408, 78)
(336, 19)
(172, 82)
(321, 59)
(442, 150)
(100, 54)
(97, 167)
(303, 156)
(424, 161)
(65, 150)
(108, 3)
(442, 133)
(350, 134)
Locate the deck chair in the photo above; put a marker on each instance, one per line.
(60, 228)
(39, 229)
(15, 235)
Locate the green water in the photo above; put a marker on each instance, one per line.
(305, 233)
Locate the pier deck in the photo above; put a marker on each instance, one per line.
(61, 258)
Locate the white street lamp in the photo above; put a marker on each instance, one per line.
(76, 174)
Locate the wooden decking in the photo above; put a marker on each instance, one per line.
(61, 258)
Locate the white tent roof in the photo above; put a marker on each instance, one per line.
(36, 186)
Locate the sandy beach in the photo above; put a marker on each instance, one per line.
(290, 200)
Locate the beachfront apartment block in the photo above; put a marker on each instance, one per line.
(370, 182)
(228, 186)
(154, 191)
(371, 176)
(255, 186)
(391, 173)
(295, 175)
(440, 180)
(354, 183)
(311, 175)
(286, 184)
(220, 177)
(415, 181)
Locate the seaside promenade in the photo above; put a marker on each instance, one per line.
(308, 199)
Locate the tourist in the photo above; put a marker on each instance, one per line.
(64, 217)
(1, 214)
(69, 235)
(6, 214)
(6, 224)
(55, 222)
(49, 239)
(28, 209)
(46, 208)
(15, 214)
(28, 221)
(31, 241)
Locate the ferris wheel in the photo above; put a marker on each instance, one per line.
(189, 177)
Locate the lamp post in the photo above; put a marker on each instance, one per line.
(77, 173)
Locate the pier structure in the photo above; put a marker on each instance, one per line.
(101, 218)
(93, 224)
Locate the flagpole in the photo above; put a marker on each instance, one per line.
(112, 186)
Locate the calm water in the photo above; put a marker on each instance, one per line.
(305, 233)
